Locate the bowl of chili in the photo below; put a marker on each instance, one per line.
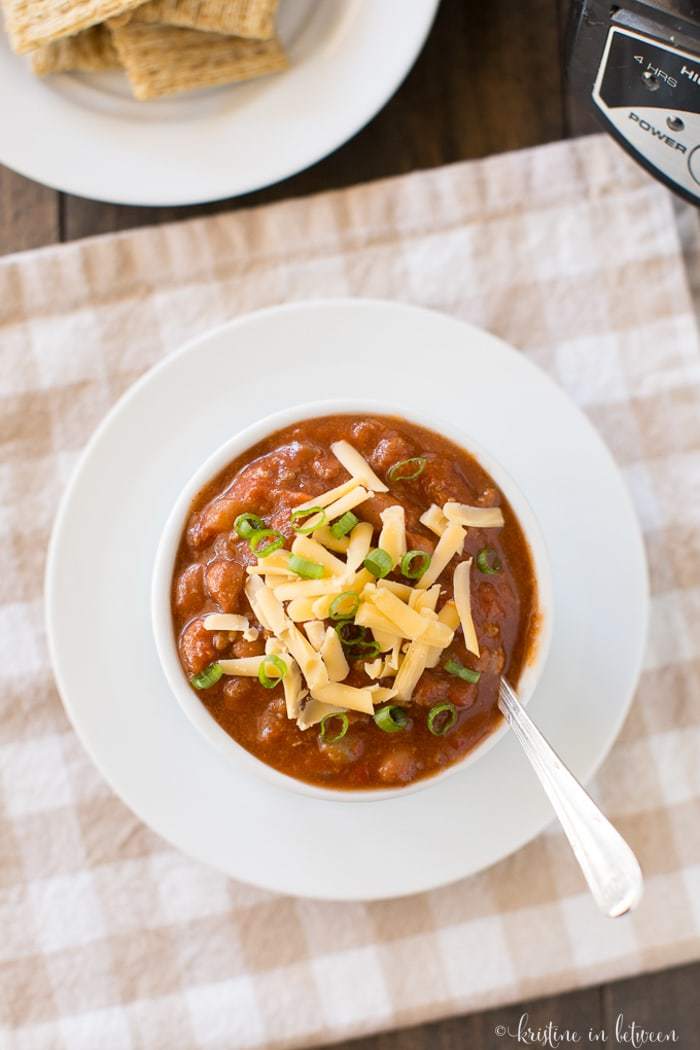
(338, 589)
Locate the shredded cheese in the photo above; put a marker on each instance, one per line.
(421, 600)
(392, 538)
(374, 669)
(315, 632)
(381, 694)
(340, 506)
(347, 696)
(334, 657)
(276, 563)
(412, 667)
(325, 537)
(402, 617)
(358, 549)
(401, 590)
(412, 624)
(450, 543)
(267, 608)
(357, 466)
(285, 592)
(384, 639)
(245, 667)
(326, 498)
(305, 547)
(301, 609)
(291, 683)
(315, 711)
(460, 583)
(476, 517)
(434, 519)
(225, 622)
(310, 663)
(369, 616)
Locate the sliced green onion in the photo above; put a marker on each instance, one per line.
(407, 469)
(454, 667)
(209, 676)
(441, 718)
(355, 640)
(351, 634)
(411, 571)
(378, 562)
(270, 681)
(259, 535)
(344, 606)
(304, 512)
(309, 570)
(488, 562)
(344, 525)
(392, 718)
(246, 524)
(365, 650)
(344, 723)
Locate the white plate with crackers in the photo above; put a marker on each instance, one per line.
(174, 102)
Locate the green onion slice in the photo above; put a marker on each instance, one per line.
(344, 606)
(344, 723)
(365, 650)
(378, 562)
(351, 634)
(454, 667)
(344, 525)
(414, 571)
(392, 718)
(488, 562)
(407, 469)
(246, 524)
(305, 512)
(309, 570)
(209, 676)
(441, 718)
(270, 681)
(355, 640)
(256, 538)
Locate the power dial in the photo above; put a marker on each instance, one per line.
(649, 92)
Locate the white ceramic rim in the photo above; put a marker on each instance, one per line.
(72, 135)
(161, 590)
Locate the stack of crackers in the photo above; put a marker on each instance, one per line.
(164, 46)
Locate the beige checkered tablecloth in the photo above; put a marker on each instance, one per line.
(111, 940)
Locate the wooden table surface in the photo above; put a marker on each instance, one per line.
(488, 80)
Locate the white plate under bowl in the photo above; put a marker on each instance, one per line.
(98, 608)
(84, 133)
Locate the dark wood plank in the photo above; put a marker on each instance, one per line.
(29, 213)
(488, 80)
(578, 113)
(658, 1002)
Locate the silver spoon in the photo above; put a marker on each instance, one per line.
(607, 862)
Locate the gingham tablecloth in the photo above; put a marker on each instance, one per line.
(111, 940)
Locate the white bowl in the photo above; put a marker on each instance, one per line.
(166, 643)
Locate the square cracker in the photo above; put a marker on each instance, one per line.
(32, 23)
(87, 51)
(163, 60)
(248, 18)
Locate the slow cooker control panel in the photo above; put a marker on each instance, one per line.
(649, 92)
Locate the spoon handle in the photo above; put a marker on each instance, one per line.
(608, 864)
